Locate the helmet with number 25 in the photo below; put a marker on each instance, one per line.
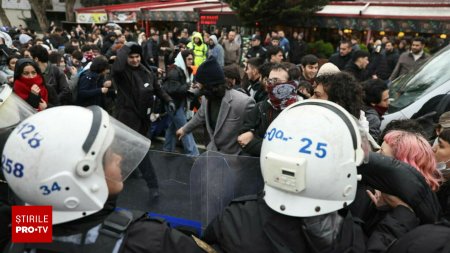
(309, 157)
(71, 158)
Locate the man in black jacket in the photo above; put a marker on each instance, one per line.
(54, 77)
(344, 55)
(357, 67)
(136, 86)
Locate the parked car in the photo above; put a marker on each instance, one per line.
(408, 93)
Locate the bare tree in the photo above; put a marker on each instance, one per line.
(70, 13)
(39, 7)
(4, 18)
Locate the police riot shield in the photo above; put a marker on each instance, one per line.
(193, 190)
(216, 179)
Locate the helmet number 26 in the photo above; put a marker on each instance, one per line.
(320, 151)
(27, 132)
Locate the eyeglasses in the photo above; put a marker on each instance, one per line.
(275, 80)
(32, 73)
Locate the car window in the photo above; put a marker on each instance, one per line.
(419, 82)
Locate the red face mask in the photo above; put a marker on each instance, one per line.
(281, 95)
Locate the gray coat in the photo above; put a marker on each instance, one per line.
(233, 108)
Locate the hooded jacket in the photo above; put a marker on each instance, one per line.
(200, 51)
(217, 51)
(135, 89)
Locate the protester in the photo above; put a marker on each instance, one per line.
(222, 109)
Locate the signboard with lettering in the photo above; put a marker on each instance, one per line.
(122, 16)
(92, 18)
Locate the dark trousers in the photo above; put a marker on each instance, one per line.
(148, 172)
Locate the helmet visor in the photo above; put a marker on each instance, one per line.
(127, 150)
(13, 109)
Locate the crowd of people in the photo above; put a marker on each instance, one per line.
(315, 129)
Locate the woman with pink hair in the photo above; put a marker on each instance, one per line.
(413, 149)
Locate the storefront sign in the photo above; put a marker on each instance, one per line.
(92, 18)
(122, 16)
(209, 19)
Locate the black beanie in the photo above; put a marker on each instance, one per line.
(210, 72)
(135, 48)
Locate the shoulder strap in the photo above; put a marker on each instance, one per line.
(113, 229)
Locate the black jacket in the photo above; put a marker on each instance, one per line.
(378, 66)
(427, 238)
(144, 235)
(340, 61)
(56, 79)
(90, 90)
(250, 225)
(259, 93)
(400, 179)
(176, 86)
(135, 89)
(298, 50)
(257, 121)
(444, 199)
(360, 74)
(391, 60)
(258, 51)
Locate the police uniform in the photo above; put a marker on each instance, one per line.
(258, 51)
(249, 225)
(94, 234)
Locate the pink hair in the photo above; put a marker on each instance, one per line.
(414, 149)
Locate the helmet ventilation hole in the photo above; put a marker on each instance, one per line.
(67, 188)
(282, 208)
(317, 209)
(86, 168)
(93, 153)
(349, 175)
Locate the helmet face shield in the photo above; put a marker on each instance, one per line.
(128, 148)
(13, 109)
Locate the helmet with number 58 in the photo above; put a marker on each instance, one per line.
(309, 157)
(71, 158)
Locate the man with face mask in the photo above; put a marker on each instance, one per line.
(282, 88)
(222, 109)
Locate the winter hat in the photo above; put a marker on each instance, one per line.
(210, 73)
(328, 69)
(24, 38)
(134, 48)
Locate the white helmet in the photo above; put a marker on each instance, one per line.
(56, 158)
(13, 109)
(309, 157)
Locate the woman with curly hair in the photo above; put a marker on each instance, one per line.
(413, 149)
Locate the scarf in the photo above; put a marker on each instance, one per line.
(380, 110)
(22, 87)
(281, 95)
